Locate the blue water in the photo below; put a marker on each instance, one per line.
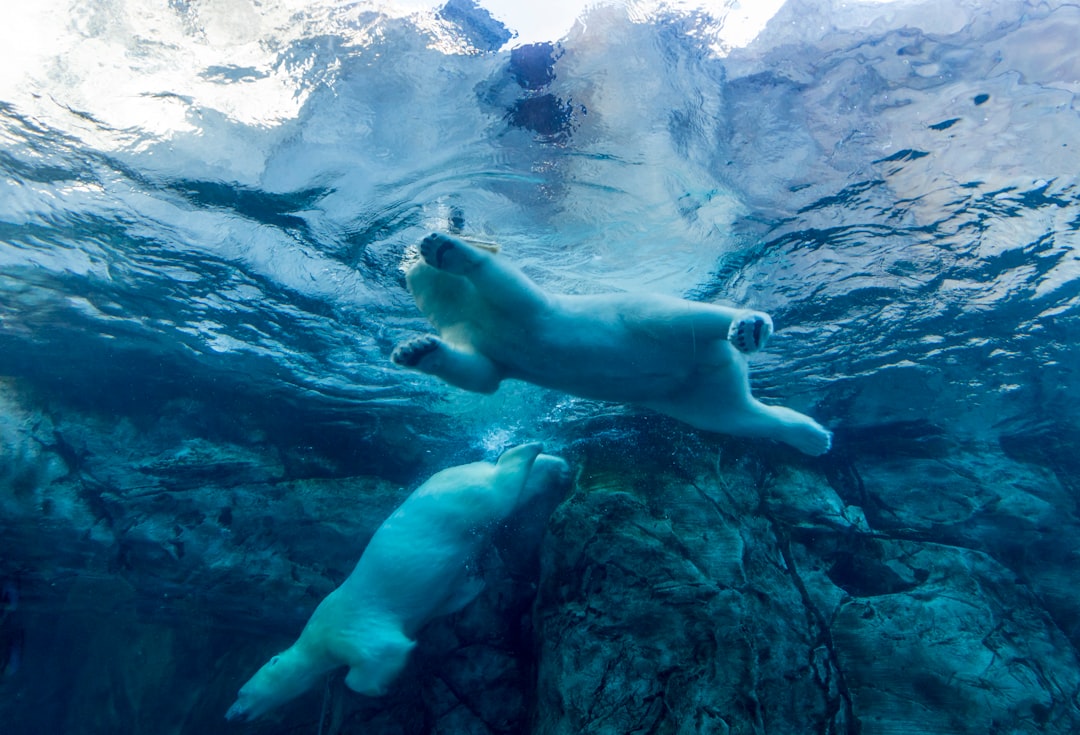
(902, 200)
(205, 209)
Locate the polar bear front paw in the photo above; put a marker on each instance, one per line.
(449, 254)
(410, 354)
(750, 331)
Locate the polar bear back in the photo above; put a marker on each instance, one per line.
(417, 564)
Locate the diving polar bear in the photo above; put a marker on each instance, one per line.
(678, 357)
(415, 568)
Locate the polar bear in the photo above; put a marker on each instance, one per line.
(415, 568)
(681, 358)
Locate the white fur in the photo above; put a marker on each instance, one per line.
(668, 354)
(415, 568)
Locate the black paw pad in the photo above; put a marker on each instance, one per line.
(413, 351)
(446, 245)
(750, 333)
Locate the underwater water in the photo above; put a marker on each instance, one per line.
(206, 210)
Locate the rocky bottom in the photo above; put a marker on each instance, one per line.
(697, 587)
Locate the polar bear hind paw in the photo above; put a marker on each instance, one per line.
(750, 331)
(449, 254)
(813, 440)
(411, 353)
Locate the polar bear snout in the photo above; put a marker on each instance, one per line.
(247, 706)
(238, 713)
(282, 678)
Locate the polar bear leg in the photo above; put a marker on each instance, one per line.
(494, 278)
(746, 416)
(783, 424)
(385, 655)
(462, 368)
(747, 330)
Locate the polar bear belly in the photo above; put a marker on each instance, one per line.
(429, 571)
(587, 348)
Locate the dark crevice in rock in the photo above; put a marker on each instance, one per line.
(843, 476)
(841, 711)
(74, 459)
(464, 701)
(861, 575)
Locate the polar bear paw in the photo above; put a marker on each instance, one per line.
(812, 439)
(412, 353)
(449, 254)
(750, 331)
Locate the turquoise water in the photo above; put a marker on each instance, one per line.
(902, 201)
(206, 212)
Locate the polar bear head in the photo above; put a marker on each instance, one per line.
(285, 676)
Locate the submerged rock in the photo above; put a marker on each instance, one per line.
(749, 598)
(668, 606)
(686, 585)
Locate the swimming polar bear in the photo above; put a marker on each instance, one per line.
(415, 568)
(681, 358)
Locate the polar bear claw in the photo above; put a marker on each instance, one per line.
(751, 331)
(412, 352)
